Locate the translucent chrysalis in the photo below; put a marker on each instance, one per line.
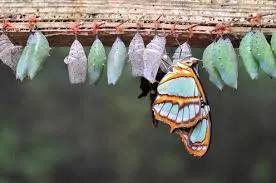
(116, 61)
(39, 51)
(9, 54)
(263, 53)
(250, 63)
(208, 63)
(22, 66)
(96, 61)
(183, 51)
(77, 63)
(135, 52)
(153, 57)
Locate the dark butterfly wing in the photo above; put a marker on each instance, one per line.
(151, 88)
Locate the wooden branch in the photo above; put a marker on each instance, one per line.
(54, 17)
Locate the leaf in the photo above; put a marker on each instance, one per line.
(245, 49)
(226, 62)
(183, 51)
(22, 66)
(135, 52)
(273, 43)
(153, 57)
(263, 53)
(116, 61)
(9, 54)
(96, 61)
(39, 52)
(77, 63)
(208, 63)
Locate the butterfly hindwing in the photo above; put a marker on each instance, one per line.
(197, 139)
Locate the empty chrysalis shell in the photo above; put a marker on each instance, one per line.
(9, 54)
(225, 61)
(96, 61)
(183, 51)
(250, 63)
(135, 53)
(116, 61)
(166, 62)
(273, 42)
(153, 57)
(22, 66)
(39, 51)
(263, 53)
(77, 63)
(208, 63)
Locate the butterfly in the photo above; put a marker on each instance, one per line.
(181, 103)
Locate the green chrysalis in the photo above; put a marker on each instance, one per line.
(39, 51)
(225, 61)
(263, 53)
(245, 49)
(96, 61)
(273, 43)
(208, 63)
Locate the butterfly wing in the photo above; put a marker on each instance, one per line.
(179, 99)
(197, 138)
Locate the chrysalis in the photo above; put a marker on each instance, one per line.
(135, 52)
(116, 61)
(9, 54)
(96, 61)
(263, 53)
(153, 57)
(183, 51)
(77, 63)
(273, 42)
(250, 63)
(22, 66)
(39, 51)
(166, 62)
(226, 62)
(208, 63)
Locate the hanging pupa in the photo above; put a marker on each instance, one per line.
(22, 65)
(39, 52)
(77, 63)
(250, 63)
(182, 52)
(273, 43)
(263, 53)
(166, 63)
(96, 61)
(208, 63)
(9, 54)
(116, 61)
(153, 57)
(135, 53)
(225, 61)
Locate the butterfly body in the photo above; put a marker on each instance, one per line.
(181, 103)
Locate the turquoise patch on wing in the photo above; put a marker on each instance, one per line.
(199, 132)
(173, 113)
(183, 87)
(166, 109)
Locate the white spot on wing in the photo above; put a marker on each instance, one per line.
(186, 114)
(158, 107)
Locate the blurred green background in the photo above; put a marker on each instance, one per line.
(53, 132)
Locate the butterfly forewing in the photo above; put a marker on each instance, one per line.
(179, 99)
